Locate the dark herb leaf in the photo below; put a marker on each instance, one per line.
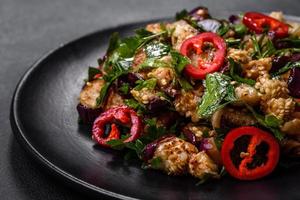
(153, 131)
(149, 83)
(288, 66)
(235, 71)
(294, 42)
(103, 93)
(224, 28)
(114, 42)
(118, 144)
(116, 71)
(185, 84)
(135, 105)
(221, 132)
(181, 15)
(92, 72)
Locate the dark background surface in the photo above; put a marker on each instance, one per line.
(30, 28)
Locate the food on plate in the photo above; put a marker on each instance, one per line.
(200, 96)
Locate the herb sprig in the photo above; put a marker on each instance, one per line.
(218, 93)
(235, 71)
(120, 57)
(268, 121)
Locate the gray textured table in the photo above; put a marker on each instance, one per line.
(30, 28)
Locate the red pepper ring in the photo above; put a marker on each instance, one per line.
(258, 22)
(246, 169)
(204, 66)
(123, 115)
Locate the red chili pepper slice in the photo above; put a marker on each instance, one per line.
(249, 153)
(259, 22)
(207, 61)
(97, 76)
(121, 115)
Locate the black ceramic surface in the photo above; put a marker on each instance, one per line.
(44, 118)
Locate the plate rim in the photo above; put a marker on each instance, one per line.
(19, 132)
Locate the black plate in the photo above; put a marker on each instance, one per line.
(44, 119)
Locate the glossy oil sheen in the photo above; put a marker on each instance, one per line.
(44, 119)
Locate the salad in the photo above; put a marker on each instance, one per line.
(200, 96)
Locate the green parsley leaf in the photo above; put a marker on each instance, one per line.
(224, 28)
(118, 144)
(205, 133)
(181, 15)
(120, 58)
(156, 49)
(235, 71)
(240, 29)
(135, 105)
(218, 89)
(221, 132)
(153, 131)
(100, 99)
(179, 61)
(136, 146)
(114, 42)
(153, 63)
(149, 83)
(270, 122)
(184, 84)
(124, 88)
(116, 71)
